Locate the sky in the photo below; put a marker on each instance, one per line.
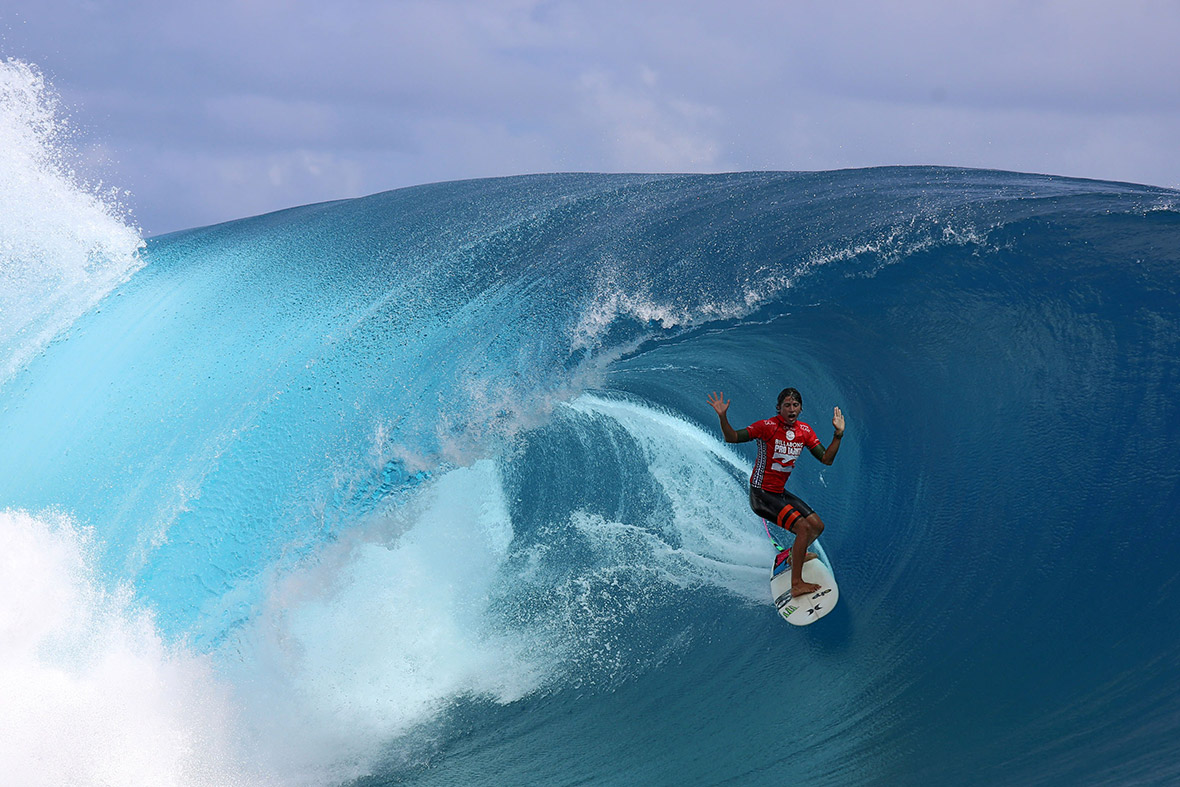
(211, 111)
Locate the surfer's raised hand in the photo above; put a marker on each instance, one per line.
(838, 422)
(717, 401)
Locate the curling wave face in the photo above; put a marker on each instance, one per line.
(424, 485)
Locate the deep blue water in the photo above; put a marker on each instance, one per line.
(426, 487)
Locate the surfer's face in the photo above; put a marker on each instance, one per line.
(789, 409)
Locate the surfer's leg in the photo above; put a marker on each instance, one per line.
(794, 514)
(777, 508)
(807, 529)
(814, 526)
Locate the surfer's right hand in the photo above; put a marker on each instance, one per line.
(717, 401)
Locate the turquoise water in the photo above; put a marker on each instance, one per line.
(423, 488)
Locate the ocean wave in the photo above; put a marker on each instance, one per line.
(424, 487)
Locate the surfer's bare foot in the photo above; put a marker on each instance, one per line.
(787, 559)
(803, 588)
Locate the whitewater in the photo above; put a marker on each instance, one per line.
(423, 487)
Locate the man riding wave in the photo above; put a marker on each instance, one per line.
(781, 440)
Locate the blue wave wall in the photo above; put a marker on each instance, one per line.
(430, 479)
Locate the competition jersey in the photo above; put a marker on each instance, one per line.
(778, 448)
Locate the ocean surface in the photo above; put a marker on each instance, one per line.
(423, 488)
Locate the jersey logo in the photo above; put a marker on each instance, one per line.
(784, 458)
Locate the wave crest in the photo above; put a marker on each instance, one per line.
(63, 244)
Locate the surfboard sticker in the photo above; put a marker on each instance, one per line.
(804, 610)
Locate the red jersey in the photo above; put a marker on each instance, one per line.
(782, 446)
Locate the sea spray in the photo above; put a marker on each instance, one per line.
(92, 694)
(63, 244)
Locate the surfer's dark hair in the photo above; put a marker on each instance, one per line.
(793, 393)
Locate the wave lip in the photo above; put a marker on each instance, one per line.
(63, 245)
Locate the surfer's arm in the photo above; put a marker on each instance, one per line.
(734, 435)
(721, 407)
(828, 455)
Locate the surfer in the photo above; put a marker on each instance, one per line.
(780, 442)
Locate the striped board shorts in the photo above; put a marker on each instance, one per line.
(781, 508)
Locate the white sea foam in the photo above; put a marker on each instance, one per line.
(357, 652)
(718, 540)
(383, 633)
(617, 296)
(1165, 205)
(347, 654)
(353, 654)
(63, 244)
(615, 299)
(91, 694)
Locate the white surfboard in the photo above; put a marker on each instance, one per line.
(803, 610)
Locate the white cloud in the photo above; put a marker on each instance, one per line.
(643, 130)
(387, 95)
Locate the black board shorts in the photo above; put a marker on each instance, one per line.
(781, 508)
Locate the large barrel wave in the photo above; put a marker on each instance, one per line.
(423, 488)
